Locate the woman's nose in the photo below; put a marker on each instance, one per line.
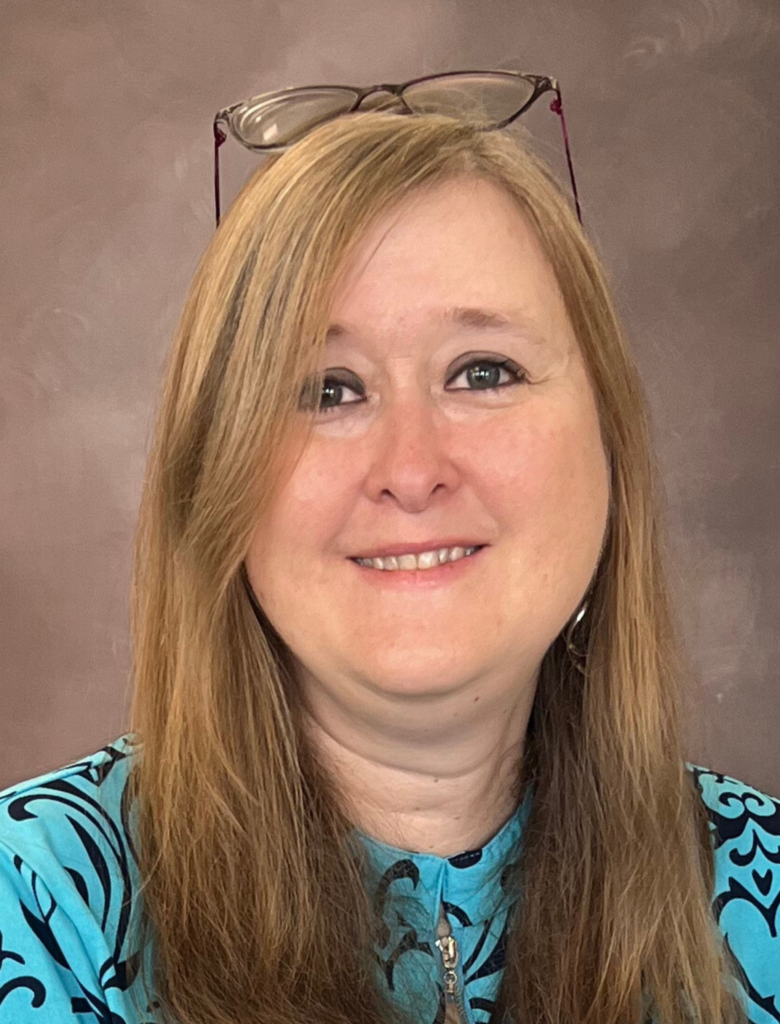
(411, 456)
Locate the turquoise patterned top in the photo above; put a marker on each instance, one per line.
(68, 876)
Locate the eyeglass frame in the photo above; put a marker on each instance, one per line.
(541, 84)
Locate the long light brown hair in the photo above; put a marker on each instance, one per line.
(253, 897)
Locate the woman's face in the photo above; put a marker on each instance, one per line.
(456, 412)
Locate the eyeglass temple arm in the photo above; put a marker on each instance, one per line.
(219, 138)
(557, 107)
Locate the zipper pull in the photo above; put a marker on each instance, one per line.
(448, 946)
(449, 953)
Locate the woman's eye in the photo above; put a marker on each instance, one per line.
(324, 394)
(328, 393)
(485, 374)
(332, 395)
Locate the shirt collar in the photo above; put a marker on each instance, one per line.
(470, 881)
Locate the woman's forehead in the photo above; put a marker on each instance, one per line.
(443, 254)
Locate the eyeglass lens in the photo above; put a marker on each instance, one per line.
(281, 120)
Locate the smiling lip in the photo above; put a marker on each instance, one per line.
(417, 549)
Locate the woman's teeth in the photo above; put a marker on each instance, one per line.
(425, 560)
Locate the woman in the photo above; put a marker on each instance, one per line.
(406, 736)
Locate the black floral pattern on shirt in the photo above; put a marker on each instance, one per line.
(745, 828)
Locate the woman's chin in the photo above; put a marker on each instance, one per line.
(430, 673)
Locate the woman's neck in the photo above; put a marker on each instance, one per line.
(439, 779)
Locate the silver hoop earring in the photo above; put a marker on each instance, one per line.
(577, 657)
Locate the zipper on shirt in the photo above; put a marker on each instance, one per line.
(448, 946)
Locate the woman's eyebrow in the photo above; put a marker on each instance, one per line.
(474, 318)
(470, 316)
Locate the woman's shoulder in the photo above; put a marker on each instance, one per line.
(70, 830)
(66, 813)
(720, 791)
(740, 815)
(68, 880)
(745, 831)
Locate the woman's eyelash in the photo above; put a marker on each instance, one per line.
(517, 376)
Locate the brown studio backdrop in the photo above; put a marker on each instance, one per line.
(106, 202)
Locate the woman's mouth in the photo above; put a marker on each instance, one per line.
(424, 561)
